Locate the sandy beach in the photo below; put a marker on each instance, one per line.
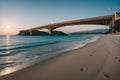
(99, 60)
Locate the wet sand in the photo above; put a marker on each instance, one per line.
(99, 60)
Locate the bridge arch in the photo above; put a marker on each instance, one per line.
(78, 28)
(101, 20)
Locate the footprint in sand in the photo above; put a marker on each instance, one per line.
(116, 57)
(107, 75)
(119, 60)
(82, 69)
(91, 55)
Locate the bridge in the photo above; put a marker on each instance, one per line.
(101, 20)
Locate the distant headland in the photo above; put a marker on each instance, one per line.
(40, 33)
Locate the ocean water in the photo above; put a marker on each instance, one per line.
(20, 50)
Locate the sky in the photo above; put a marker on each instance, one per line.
(16, 15)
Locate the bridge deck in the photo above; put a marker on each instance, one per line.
(95, 20)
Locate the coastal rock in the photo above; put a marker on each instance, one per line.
(56, 33)
(23, 32)
(41, 33)
(34, 33)
(116, 27)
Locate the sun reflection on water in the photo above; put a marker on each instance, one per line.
(6, 71)
(7, 41)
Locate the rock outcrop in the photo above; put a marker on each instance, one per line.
(58, 33)
(34, 33)
(40, 33)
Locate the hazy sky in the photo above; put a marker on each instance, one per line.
(24, 14)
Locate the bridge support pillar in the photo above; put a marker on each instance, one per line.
(30, 32)
(112, 25)
(50, 31)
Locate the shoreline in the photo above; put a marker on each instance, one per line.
(7, 71)
(85, 63)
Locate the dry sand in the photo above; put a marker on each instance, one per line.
(99, 60)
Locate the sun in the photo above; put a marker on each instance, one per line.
(7, 26)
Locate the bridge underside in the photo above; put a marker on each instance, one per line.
(102, 20)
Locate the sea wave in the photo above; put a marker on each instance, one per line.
(39, 48)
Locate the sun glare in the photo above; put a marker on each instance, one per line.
(7, 29)
(7, 26)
